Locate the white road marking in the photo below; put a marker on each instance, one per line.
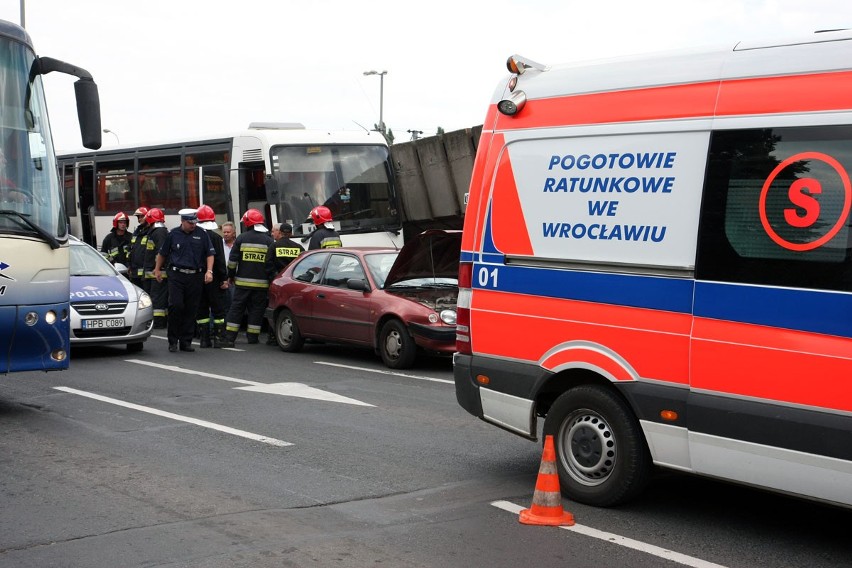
(622, 541)
(178, 417)
(383, 372)
(303, 391)
(285, 389)
(177, 369)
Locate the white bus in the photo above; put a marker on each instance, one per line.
(281, 169)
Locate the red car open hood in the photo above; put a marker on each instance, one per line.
(434, 253)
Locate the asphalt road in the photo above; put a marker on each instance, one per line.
(254, 457)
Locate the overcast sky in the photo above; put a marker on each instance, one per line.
(178, 68)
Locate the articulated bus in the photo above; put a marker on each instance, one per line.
(34, 257)
(281, 169)
(657, 260)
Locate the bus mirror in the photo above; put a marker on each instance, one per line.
(273, 194)
(89, 112)
(88, 101)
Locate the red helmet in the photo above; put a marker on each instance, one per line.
(155, 215)
(251, 218)
(205, 213)
(321, 214)
(120, 216)
(141, 211)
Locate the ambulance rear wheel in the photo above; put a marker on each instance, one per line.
(601, 454)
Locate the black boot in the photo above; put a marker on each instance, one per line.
(186, 346)
(204, 340)
(253, 338)
(227, 339)
(218, 335)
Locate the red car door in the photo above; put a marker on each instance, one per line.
(339, 312)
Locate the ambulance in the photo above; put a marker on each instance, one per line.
(656, 267)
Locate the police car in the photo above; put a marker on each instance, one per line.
(106, 309)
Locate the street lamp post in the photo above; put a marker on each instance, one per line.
(381, 75)
(108, 131)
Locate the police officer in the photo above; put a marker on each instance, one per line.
(189, 254)
(324, 235)
(279, 254)
(117, 242)
(138, 244)
(213, 296)
(247, 271)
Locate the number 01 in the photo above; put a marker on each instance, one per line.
(486, 278)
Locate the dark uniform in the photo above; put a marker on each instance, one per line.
(279, 254)
(247, 268)
(116, 247)
(159, 291)
(136, 256)
(213, 297)
(323, 237)
(186, 256)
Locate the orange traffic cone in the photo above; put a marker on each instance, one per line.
(546, 508)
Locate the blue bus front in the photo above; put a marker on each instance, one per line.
(34, 255)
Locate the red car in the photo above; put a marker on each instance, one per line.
(394, 301)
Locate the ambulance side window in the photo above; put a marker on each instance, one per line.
(776, 208)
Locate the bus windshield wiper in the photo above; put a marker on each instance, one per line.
(47, 237)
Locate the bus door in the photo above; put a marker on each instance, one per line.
(214, 191)
(253, 190)
(84, 186)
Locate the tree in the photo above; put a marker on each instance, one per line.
(386, 132)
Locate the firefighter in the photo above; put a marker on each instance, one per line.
(138, 243)
(324, 235)
(213, 295)
(157, 289)
(116, 244)
(282, 252)
(279, 254)
(247, 273)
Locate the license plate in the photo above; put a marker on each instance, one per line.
(103, 323)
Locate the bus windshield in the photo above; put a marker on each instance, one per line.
(29, 186)
(352, 181)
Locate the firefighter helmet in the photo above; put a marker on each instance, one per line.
(321, 214)
(251, 218)
(205, 213)
(141, 211)
(120, 216)
(155, 215)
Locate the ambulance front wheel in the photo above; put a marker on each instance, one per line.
(601, 454)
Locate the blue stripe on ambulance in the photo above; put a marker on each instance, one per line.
(816, 311)
(803, 310)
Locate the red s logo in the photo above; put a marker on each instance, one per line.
(800, 194)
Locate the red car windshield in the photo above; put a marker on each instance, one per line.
(379, 265)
